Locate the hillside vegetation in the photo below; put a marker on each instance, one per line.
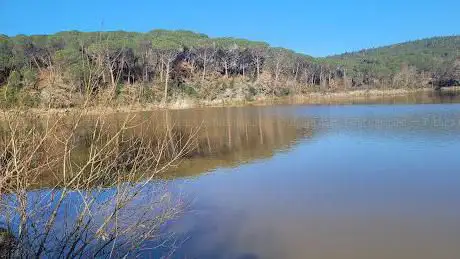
(69, 68)
(435, 60)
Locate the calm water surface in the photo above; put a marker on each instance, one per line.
(304, 181)
(363, 181)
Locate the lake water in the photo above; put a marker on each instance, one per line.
(314, 181)
(364, 181)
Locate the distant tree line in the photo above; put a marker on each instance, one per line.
(434, 61)
(168, 61)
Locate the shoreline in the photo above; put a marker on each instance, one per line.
(314, 98)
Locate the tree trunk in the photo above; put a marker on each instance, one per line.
(321, 77)
(258, 67)
(192, 68)
(112, 78)
(166, 82)
(277, 71)
(204, 70)
(296, 71)
(161, 71)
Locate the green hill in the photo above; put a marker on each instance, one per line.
(437, 58)
(161, 65)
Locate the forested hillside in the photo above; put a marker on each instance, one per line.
(435, 60)
(63, 69)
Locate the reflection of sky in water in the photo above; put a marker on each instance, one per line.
(146, 204)
(347, 192)
(366, 181)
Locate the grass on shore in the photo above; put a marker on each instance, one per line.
(342, 97)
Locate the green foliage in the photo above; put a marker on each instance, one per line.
(425, 55)
(5, 52)
(252, 91)
(67, 56)
(30, 100)
(188, 90)
(118, 89)
(14, 80)
(283, 92)
(76, 70)
(162, 39)
(93, 61)
(148, 94)
(29, 77)
(165, 43)
(12, 94)
(9, 97)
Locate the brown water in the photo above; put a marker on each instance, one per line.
(302, 181)
(366, 181)
(369, 181)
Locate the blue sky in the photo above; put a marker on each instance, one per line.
(316, 28)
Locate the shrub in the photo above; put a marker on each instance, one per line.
(148, 94)
(29, 77)
(252, 91)
(284, 92)
(14, 79)
(9, 97)
(188, 90)
(100, 196)
(31, 100)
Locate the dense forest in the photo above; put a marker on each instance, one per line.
(434, 61)
(63, 69)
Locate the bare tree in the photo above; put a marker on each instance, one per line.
(244, 61)
(228, 58)
(259, 55)
(167, 57)
(279, 57)
(205, 55)
(104, 203)
(111, 58)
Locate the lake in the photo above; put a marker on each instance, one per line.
(370, 181)
(317, 181)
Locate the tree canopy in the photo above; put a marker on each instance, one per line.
(162, 57)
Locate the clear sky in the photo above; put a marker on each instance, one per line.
(316, 28)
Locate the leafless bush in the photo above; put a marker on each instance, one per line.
(71, 187)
